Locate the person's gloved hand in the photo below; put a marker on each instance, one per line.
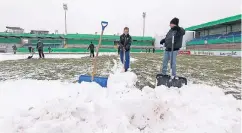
(127, 48)
(162, 41)
(121, 47)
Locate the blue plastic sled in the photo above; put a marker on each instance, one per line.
(102, 81)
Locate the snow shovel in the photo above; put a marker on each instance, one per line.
(169, 80)
(124, 59)
(31, 54)
(102, 81)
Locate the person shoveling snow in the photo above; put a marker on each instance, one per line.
(40, 48)
(124, 45)
(173, 42)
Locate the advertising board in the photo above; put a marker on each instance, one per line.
(235, 53)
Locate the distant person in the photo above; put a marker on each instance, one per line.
(91, 47)
(49, 49)
(118, 50)
(178, 33)
(40, 47)
(30, 48)
(149, 50)
(125, 43)
(14, 48)
(153, 50)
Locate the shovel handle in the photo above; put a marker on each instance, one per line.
(104, 25)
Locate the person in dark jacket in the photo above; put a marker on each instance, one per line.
(14, 49)
(30, 48)
(124, 44)
(118, 49)
(91, 47)
(178, 33)
(40, 47)
(49, 49)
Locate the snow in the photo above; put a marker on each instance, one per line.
(133, 59)
(10, 56)
(41, 106)
(32, 106)
(4, 57)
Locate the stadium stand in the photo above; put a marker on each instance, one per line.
(71, 42)
(78, 40)
(220, 34)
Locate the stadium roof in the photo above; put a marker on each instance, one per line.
(14, 28)
(216, 22)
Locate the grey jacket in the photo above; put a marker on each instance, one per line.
(178, 33)
(40, 46)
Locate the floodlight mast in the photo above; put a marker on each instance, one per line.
(65, 9)
(144, 15)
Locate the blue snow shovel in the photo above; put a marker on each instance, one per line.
(100, 80)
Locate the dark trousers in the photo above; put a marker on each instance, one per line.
(41, 53)
(92, 54)
(29, 49)
(118, 50)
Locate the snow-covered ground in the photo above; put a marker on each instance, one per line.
(35, 106)
(10, 56)
(24, 56)
(30, 106)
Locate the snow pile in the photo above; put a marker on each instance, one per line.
(30, 106)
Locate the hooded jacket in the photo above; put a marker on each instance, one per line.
(178, 33)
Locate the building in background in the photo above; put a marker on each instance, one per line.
(14, 30)
(222, 34)
(39, 32)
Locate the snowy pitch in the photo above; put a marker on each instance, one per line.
(35, 106)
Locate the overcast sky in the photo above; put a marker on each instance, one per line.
(84, 16)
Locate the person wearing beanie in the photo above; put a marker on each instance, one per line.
(178, 33)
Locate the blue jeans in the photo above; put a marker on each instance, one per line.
(166, 58)
(127, 58)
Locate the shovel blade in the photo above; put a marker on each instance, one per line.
(102, 81)
(167, 81)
